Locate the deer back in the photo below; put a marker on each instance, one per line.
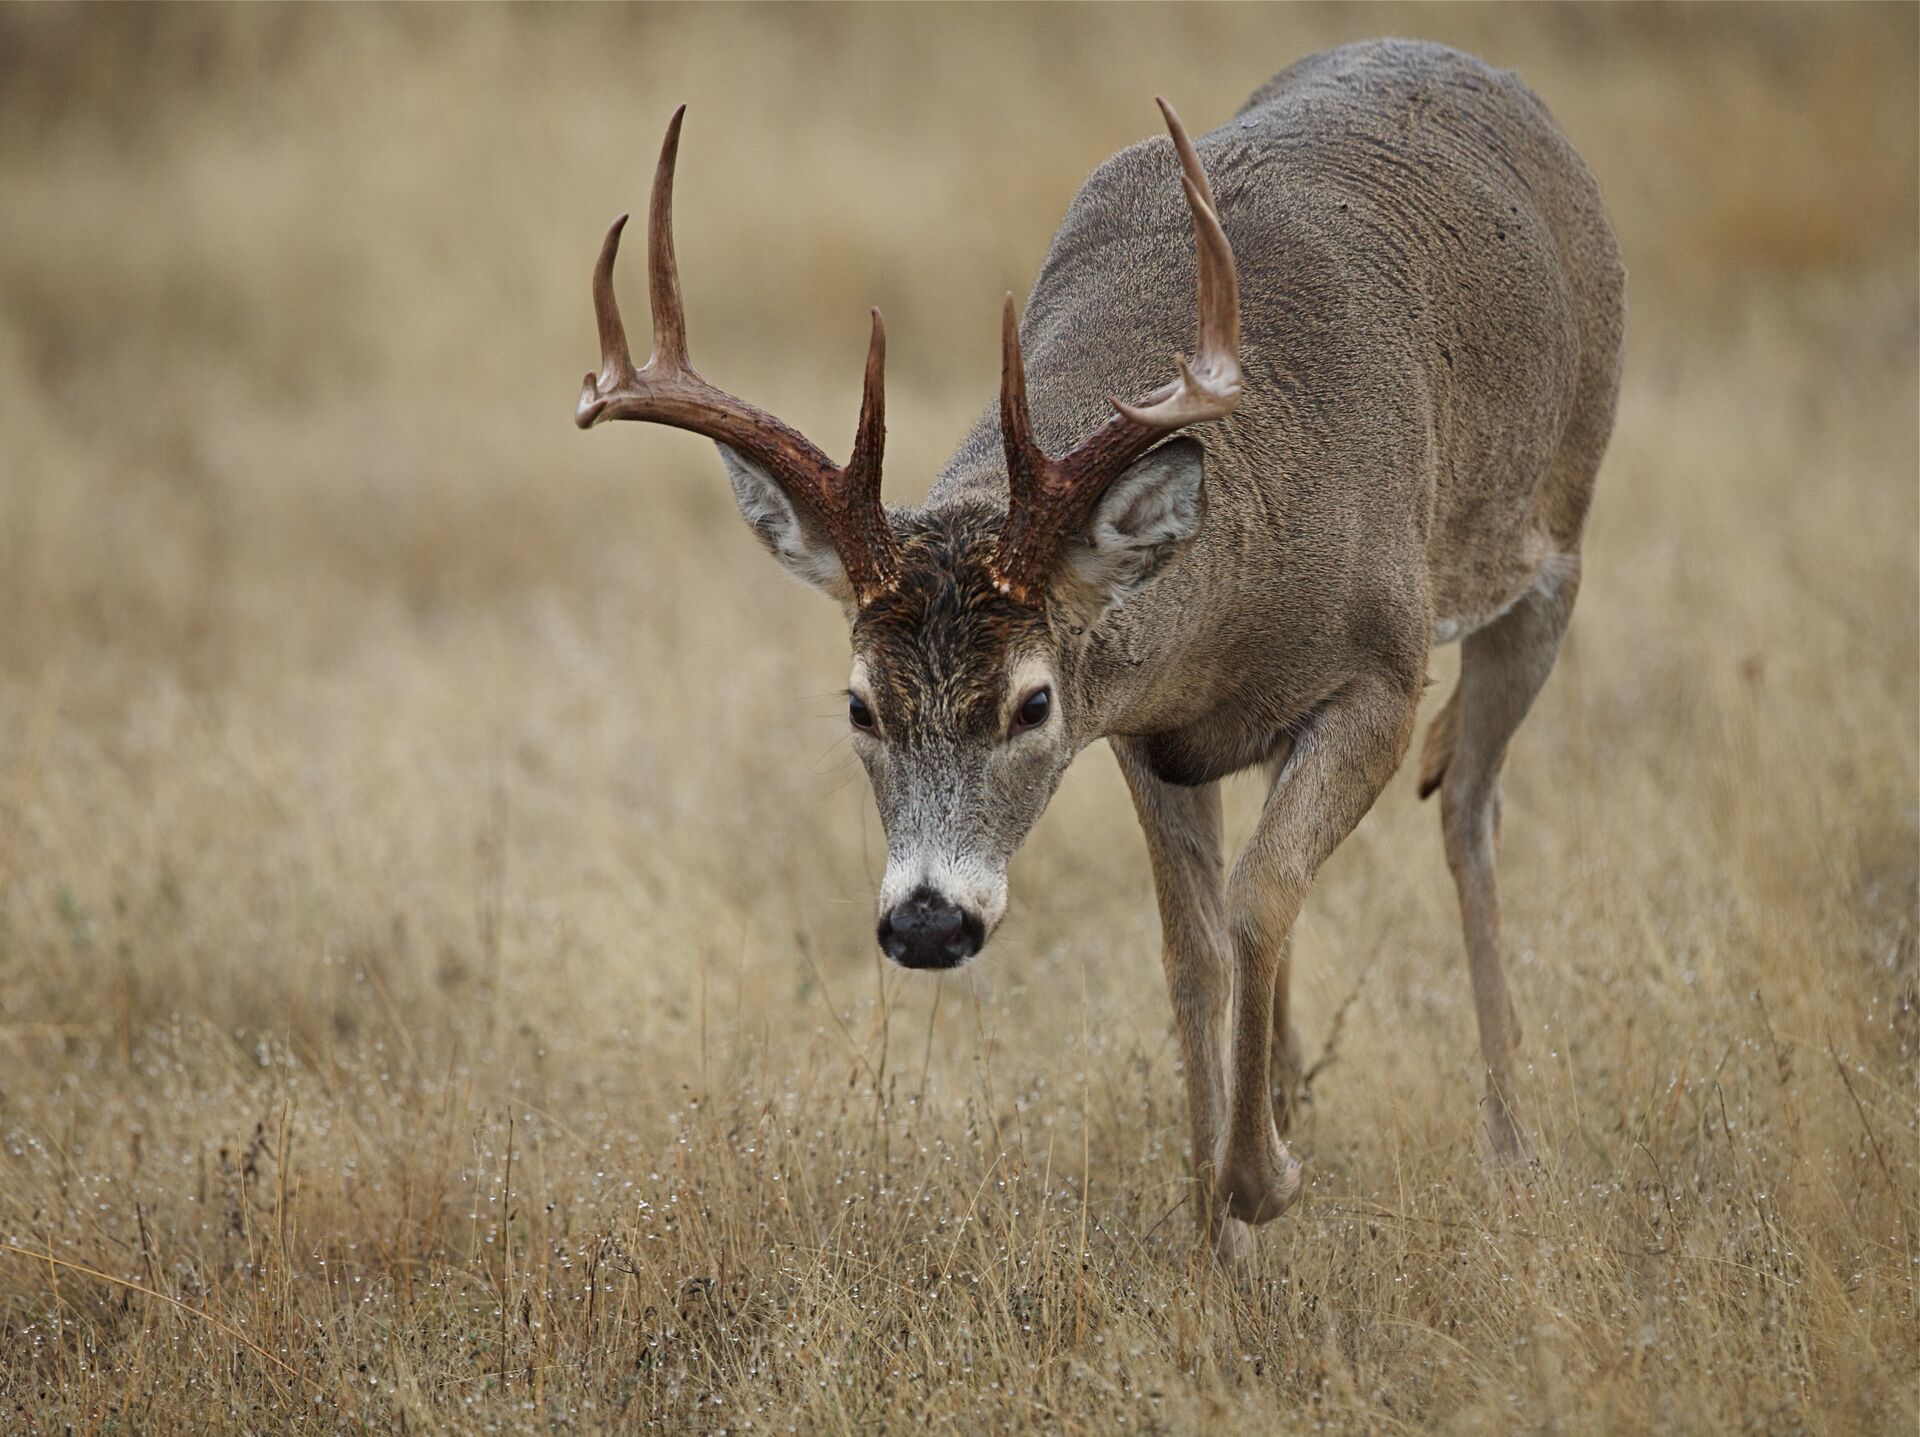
(1428, 284)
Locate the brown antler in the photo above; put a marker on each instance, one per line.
(1048, 498)
(845, 501)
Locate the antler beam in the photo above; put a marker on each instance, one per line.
(1049, 498)
(666, 390)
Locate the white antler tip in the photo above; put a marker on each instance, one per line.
(590, 406)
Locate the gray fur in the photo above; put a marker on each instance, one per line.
(1431, 303)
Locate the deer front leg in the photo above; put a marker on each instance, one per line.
(1338, 767)
(1182, 826)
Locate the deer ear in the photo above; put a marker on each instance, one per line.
(790, 534)
(1146, 516)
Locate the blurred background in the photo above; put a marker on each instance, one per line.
(353, 702)
(301, 555)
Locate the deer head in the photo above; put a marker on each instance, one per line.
(967, 625)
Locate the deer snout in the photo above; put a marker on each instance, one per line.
(928, 930)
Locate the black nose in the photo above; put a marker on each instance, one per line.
(927, 931)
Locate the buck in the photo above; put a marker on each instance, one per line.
(1408, 351)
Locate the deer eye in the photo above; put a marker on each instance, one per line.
(1033, 711)
(858, 714)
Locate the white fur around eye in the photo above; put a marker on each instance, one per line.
(859, 684)
(1028, 672)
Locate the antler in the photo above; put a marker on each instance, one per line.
(1048, 498)
(845, 501)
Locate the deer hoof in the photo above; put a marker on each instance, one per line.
(1255, 1196)
(1508, 1149)
(1231, 1244)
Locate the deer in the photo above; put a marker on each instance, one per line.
(1401, 382)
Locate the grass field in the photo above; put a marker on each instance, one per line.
(437, 987)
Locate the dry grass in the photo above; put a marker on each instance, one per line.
(436, 991)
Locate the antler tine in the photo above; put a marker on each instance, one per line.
(1213, 379)
(870, 437)
(663, 287)
(667, 390)
(1219, 282)
(616, 363)
(663, 274)
(1048, 498)
(1025, 459)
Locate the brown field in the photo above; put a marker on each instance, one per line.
(437, 987)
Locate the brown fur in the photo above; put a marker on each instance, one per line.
(938, 642)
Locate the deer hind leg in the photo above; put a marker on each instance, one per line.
(1182, 826)
(1501, 670)
(1287, 1068)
